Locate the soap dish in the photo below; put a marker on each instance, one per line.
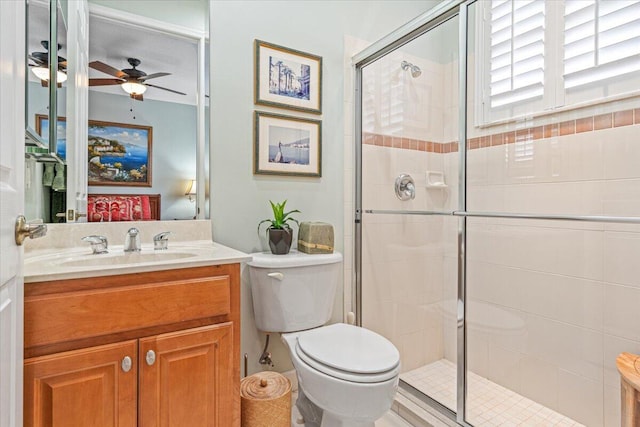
(435, 179)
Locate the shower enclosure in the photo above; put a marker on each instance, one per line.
(504, 265)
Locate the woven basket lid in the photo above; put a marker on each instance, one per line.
(264, 386)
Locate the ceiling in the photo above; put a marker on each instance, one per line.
(113, 42)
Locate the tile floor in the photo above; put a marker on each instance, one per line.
(489, 405)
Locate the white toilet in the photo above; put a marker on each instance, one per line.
(347, 375)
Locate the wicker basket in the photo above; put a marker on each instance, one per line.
(265, 400)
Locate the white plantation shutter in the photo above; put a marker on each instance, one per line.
(601, 40)
(517, 30)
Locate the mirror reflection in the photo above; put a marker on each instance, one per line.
(43, 198)
(142, 120)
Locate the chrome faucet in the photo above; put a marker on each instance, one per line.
(132, 240)
(161, 241)
(99, 244)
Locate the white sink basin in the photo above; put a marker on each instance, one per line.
(122, 258)
(78, 262)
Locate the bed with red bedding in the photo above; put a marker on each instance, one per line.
(123, 207)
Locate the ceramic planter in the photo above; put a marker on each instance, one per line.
(280, 240)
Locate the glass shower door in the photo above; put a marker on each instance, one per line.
(409, 257)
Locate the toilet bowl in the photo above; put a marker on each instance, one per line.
(347, 375)
(349, 372)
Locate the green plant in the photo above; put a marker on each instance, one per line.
(281, 218)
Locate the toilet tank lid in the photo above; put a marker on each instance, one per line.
(292, 259)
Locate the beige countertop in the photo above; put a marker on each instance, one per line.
(41, 265)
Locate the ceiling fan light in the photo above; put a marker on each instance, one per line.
(133, 88)
(43, 74)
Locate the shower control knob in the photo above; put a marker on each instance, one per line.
(405, 187)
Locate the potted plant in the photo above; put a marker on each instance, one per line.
(279, 232)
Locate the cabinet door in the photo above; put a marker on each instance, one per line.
(186, 378)
(86, 387)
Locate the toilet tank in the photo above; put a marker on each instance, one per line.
(293, 292)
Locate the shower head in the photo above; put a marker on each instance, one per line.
(415, 70)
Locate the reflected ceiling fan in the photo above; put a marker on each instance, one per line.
(41, 66)
(132, 80)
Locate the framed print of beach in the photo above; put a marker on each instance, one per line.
(119, 154)
(287, 145)
(287, 78)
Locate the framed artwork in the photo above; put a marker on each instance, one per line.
(42, 128)
(287, 145)
(287, 78)
(119, 154)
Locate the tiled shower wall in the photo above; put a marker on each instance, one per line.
(552, 303)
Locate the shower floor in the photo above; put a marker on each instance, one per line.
(489, 404)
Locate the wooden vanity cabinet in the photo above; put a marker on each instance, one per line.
(175, 364)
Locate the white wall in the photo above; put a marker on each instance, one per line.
(239, 198)
(187, 13)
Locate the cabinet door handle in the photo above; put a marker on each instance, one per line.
(151, 357)
(126, 364)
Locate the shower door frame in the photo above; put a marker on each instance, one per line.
(403, 35)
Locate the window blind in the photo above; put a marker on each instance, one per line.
(601, 40)
(516, 51)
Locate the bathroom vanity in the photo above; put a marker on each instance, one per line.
(111, 342)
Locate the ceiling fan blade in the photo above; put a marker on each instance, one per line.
(104, 82)
(137, 97)
(164, 88)
(37, 60)
(153, 76)
(107, 69)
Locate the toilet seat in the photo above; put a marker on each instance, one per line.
(349, 352)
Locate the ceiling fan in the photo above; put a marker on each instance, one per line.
(41, 66)
(132, 80)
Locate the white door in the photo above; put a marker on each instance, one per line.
(12, 68)
(77, 108)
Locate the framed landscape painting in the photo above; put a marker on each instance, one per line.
(287, 145)
(287, 78)
(119, 154)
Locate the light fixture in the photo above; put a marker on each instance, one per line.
(133, 88)
(43, 74)
(191, 190)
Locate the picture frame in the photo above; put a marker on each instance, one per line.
(42, 129)
(287, 78)
(285, 145)
(119, 154)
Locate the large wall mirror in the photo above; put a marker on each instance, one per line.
(147, 133)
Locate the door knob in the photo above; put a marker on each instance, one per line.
(150, 357)
(32, 229)
(126, 364)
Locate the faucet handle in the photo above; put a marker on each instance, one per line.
(99, 244)
(132, 240)
(161, 240)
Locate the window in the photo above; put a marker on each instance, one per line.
(601, 40)
(543, 55)
(517, 51)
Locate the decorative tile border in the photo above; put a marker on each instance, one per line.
(569, 127)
